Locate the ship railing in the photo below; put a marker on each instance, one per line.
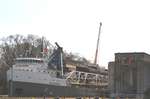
(84, 78)
(88, 83)
(99, 84)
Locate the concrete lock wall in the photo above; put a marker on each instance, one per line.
(6, 97)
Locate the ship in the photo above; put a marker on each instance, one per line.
(51, 76)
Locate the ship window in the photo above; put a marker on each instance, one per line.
(18, 91)
(28, 61)
(29, 77)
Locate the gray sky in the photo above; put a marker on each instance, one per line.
(74, 24)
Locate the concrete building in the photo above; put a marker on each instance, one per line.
(129, 75)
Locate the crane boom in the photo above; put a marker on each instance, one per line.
(96, 53)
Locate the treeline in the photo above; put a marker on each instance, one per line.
(15, 46)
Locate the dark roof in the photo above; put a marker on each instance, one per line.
(135, 53)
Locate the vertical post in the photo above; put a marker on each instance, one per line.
(79, 77)
(61, 62)
(96, 79)
(42, 47)
(85, 79)
(11, 83)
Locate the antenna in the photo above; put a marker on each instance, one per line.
(95, 61)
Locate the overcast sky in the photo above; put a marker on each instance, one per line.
(74, 24)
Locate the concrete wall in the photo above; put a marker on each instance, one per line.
(111, 77)
(129, 74)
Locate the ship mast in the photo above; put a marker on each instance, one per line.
(96, 53)
(42, 46)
